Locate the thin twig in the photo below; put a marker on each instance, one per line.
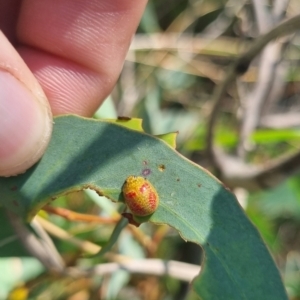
(8, 240)
(64, 235)
(216, 28)
(46, 240)
(287, 27)
(237, 173)
(175, 269)
(34, 246)
(255, 101)
(263, 17)
(74, 216)
(280, 121)
(143, 239)
(279, 84)
(182, 43)
(279, 9)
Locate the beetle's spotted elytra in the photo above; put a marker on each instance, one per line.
(140, 196)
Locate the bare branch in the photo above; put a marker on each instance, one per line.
(240, 66)
(223, 21)
(175, 269)
(263, 17)
(255, 99)
(47, 241)
(278, 87)
(64, 235)
(267, 70)
(237, 173)
(34, 246)
(286, 27)
(198, 44)
(279, 9)
(279, 121)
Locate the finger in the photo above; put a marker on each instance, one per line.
(76, 48)
(8, 16)
(25, 122)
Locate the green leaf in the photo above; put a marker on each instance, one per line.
(101, 155)
(131, 123)
(169, 138)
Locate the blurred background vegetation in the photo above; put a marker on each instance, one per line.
(180, 54)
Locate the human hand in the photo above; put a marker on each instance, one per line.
(62, 56)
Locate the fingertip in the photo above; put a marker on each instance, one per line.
(25, 126)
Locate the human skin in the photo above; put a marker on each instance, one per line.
(56, 57)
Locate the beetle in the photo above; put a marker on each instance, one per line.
(140, 196)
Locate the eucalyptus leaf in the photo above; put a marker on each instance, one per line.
(86, 153)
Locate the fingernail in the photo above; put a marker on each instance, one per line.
(25, 126)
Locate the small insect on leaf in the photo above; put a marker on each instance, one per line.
(140, 196)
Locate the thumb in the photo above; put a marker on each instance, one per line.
(25, 116)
